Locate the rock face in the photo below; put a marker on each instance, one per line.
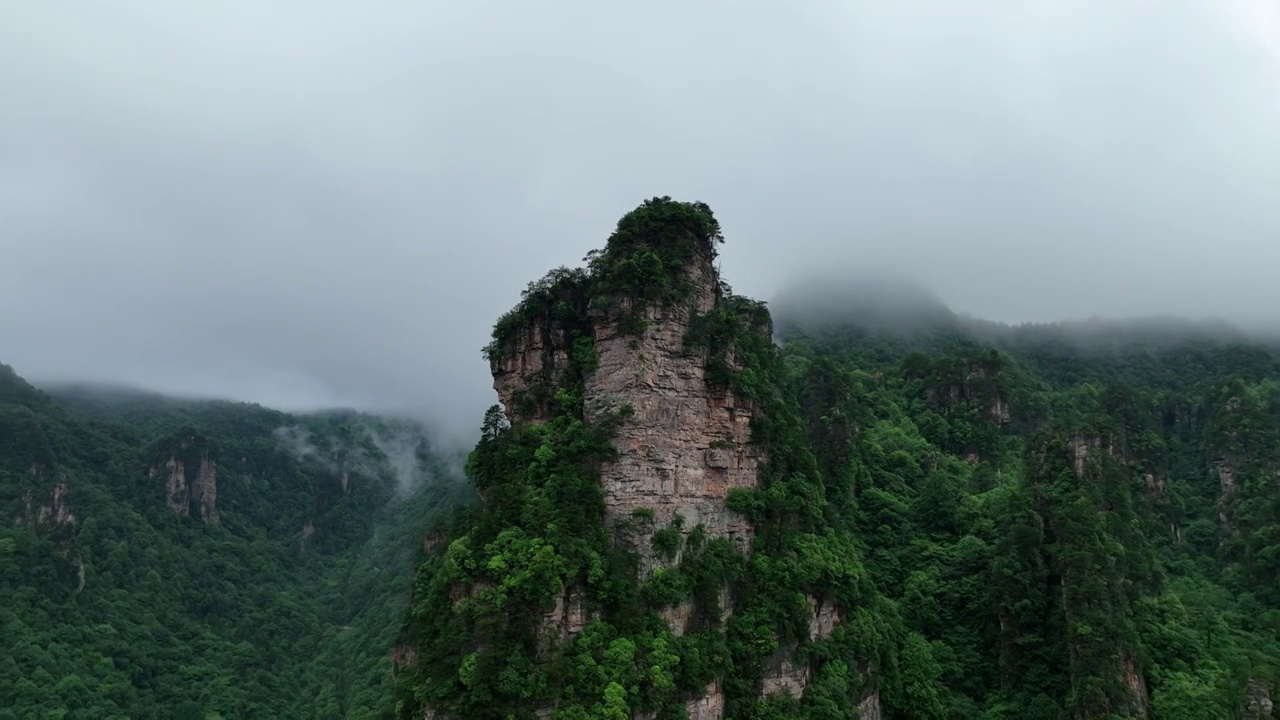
(784, 675)
(53, 509)
(643, 343)
(190, 476)
(684, 446)
(869, 707)
(1079, 448)
(1228, 494)
(1258, 702)
(57, 510)
(978, 384)
(537, 359)
(687, 443)
(1137, 686)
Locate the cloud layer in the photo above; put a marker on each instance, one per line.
(317, 203)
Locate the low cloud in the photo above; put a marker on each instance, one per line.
(328, 204)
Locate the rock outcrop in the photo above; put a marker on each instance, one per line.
(1258, 704)
(536, 360)
(643, 351)
(687, 443)
(190, 478)
(784, 675)
(54, 508)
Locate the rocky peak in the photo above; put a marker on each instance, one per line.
(616, 337)
(687, 441)
(190, 476)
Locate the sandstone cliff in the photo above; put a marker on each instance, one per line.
(650, 352)
(190, 477)
(51, 508)
(687, 441)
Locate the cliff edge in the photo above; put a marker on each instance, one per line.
(623, 484)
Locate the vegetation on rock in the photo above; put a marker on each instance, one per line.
(962, 521)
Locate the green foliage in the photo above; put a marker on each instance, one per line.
(131, 611)
(1015, 525)
(646, 261)
(1084, 542)
(1006, 527)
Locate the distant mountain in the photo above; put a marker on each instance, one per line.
(872, 302)
(173, 558)
(896, 513)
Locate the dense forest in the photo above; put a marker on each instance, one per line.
(125, 595)
(1051, 582)
(1044, 522)
(954, 519)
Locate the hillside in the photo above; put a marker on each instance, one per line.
(181, 559)
(874, 519)
(875, 509)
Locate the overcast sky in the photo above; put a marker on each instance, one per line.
(313, 203)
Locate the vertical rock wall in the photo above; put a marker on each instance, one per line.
(190, 478)
(684, 446)
(687, 444)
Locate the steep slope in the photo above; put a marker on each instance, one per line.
(655, 539)
(166, 559)
(1063, 520)
(951, 520)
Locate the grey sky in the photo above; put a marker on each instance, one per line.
(330, 202)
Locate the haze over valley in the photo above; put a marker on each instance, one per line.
(673, 361)
(316, 204)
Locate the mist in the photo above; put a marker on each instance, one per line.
(324, 204)
(397, 448)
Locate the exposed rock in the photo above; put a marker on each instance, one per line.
(687, 444)
(1229, 490)
(55, 510)
(1079, 448)
(710, 706)
(58, 509)
(190, 475)
(678, 617)
(683, 447)
(980, 386)
(80, 575)
(538, 359)
(1258, 703)
(402, 656)
(999, 412)
(433, 540)
(565, 620)
(824, 620)
(869, 707)
(1137, 685)
(784, 676)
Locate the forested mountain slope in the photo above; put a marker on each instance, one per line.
(875, 509)
(178, 559)
(1082, 526)
(920, 516)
